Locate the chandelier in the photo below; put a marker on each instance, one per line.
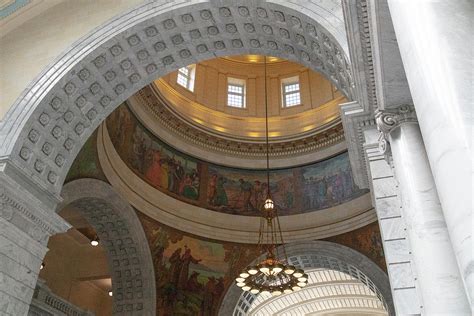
(272, 275)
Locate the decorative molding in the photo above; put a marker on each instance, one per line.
(156, 106)
(27, 213)
(121, 233)
(45, 302)
(215, 225)
(390, 119)
(46, 127)
(356, 122)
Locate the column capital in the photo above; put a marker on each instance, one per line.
(390, 119)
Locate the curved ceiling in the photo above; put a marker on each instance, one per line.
(328, 291)
(316, 201)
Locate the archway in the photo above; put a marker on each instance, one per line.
(119, 229)
(51, 120)
(328, 255)
(45, 129)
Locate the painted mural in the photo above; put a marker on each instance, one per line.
(229, 190)
(192, 274)
(367, 240)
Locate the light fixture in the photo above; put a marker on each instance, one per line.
(42, 266)
(95, 241)
(272, 275)
(110, 293)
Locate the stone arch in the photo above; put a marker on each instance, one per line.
(48, 124)
(324, 254)
(120, 231)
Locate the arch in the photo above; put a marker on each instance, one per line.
(328, 255)
(48, 124)
(125, 243)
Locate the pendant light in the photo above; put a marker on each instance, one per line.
(273, 274)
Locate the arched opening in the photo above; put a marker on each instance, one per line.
(123, 240)
(362, 286)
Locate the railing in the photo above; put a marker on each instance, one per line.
(45, 303)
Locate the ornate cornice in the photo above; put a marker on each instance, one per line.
(39, 224)
(312, 142)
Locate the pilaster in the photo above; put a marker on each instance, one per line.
(26, 223)
(387, 202)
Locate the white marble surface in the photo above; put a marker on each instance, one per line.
(435, 40)
(398, 256)
(439, 279)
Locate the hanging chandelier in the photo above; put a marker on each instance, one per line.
(272, 275)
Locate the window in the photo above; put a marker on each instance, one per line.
(186, 77)
(236, 93)
(291, 92)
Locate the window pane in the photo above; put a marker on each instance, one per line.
(235, 100)
(292, 87)
(235, 88)
(292, 99)
(184, 71)
(182, 80)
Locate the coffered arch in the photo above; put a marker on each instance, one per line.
(322, 255)
(46, 127)
(125, 243)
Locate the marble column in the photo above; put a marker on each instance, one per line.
(435, 39)
(26, 224)
(438, 276)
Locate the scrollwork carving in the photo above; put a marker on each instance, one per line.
(389, 120)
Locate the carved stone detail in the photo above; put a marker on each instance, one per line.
(111, 71)
(389, 120)
(39, 225)
(168, 119)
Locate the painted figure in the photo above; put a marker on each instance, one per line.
(246, 193)
(221, 195)
(186, 260)
(154, 171)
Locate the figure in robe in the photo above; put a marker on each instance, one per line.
(186, 260)
(246, 194)
(188, 191)
(221, 195)
(154, 171)
(193, 283)
(208, 300)
(164, 173)
(175, 266)
(258, 197)
(211, 189)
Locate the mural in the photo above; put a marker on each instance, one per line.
(367, 240)
(192, 274)
(229, 190)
